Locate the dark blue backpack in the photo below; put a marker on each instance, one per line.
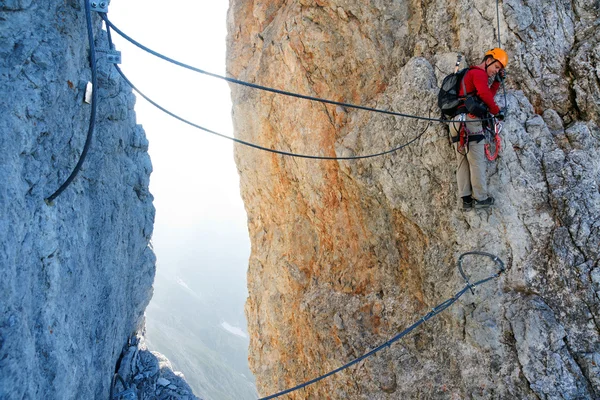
(448, 99)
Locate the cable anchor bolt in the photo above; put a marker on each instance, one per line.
(99, 5)
(112, 56)
(471, 286)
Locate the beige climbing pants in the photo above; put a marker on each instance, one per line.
(471, 171)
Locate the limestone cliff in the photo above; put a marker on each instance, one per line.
(76, 276)
(346, 254)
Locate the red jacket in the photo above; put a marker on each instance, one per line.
(476, 82)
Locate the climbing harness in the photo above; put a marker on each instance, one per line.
(499, 265)
(465, 136)
(493, 142)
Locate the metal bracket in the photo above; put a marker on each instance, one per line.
(99, 5)
(112, 56)
(458, 60)
(498, 127)
(87, 97)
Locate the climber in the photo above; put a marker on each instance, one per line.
(468, 136)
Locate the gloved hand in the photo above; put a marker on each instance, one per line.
(500, 76)
(500, 115)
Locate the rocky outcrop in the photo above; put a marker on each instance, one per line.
(76, 275)
(345, 254)
(145, 374)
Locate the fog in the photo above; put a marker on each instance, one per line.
(200, 236)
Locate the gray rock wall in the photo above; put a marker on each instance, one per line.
(75, 276)
(347, 254)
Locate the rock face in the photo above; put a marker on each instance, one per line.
(77, 275)
(345, 254)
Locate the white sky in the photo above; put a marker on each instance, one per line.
(194, 181)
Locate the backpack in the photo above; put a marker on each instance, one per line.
(448, 100)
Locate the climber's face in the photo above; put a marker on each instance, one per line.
(493, 67)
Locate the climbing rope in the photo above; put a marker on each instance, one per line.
(264, 88)
(493, 140)
(434, 311)
(88, 17)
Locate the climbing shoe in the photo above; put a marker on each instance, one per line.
(487, 203)
(467, 205)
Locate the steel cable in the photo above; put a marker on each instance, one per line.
(253, 145)
(434, 311)
(265, 88)
(437, 309)
(88, 17)
(500, 46)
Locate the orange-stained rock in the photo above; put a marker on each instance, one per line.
(346, 254)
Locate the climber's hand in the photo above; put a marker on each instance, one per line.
(500, 115)
(500, 76)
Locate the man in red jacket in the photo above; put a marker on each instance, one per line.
(470, 152)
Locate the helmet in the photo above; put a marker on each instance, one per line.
(499, 55)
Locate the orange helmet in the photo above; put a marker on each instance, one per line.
(499, 55)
